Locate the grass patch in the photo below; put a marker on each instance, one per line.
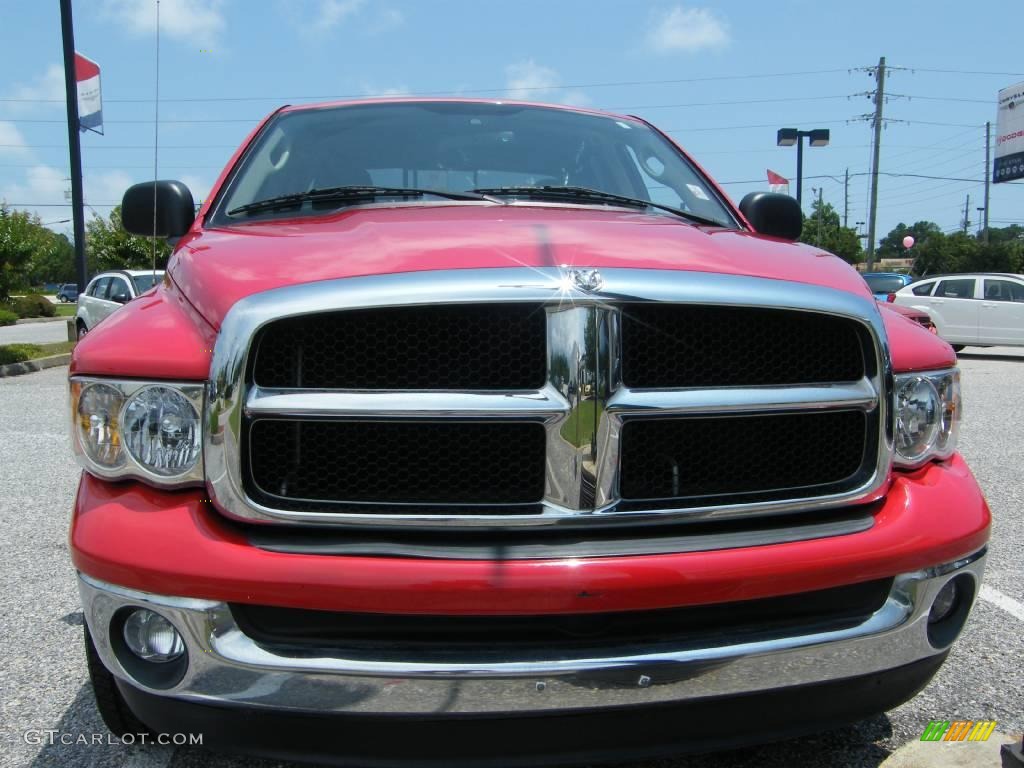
(578, 429)
(19, 353)
(66, 310)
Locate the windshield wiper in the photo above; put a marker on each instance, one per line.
(347, 193)
(585, 194)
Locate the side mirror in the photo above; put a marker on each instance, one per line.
(175, 209)
(121, 298)
(770, 213)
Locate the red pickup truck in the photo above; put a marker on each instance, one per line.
(467, 431)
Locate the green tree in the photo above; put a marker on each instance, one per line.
(1012, 233)
(824, 229)
(891, 246)
(53, 261)
(109, 246)
(941, 254)
(22, 239)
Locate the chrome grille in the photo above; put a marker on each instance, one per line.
(616, 434)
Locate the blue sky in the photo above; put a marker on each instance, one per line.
(739, 70)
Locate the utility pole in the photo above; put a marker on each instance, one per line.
(873, 208)
(846, 198)
(74, 143)
(967, 221)
(988, 178)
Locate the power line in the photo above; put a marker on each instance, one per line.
(123, 146)
(436, 91)
(964, 72)
(624, 83)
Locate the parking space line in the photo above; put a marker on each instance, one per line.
(998, 599)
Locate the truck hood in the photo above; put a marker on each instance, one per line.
(215, 267)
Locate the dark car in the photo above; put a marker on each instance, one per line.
(885, 284)
(68, 292)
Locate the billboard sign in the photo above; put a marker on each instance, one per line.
(1009, 158)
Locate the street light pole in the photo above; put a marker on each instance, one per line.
(74, 146)
(800, 171)
(787, 137)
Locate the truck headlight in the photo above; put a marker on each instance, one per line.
(928, 411)
(136, 429)
(161, 431)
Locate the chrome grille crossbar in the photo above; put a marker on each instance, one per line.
(542, 405)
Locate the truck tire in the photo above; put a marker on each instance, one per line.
(109, 701)
(81, 330)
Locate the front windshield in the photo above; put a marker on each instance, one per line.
(457, 147)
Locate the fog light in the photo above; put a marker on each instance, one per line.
(152, 637)
(944, 603)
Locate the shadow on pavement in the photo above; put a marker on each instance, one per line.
(851, 747)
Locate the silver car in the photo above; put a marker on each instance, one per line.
(107, 291)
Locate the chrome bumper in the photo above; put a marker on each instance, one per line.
(227, 667)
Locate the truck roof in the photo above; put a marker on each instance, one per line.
(451, 100)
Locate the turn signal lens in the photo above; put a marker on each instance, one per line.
(97, 418)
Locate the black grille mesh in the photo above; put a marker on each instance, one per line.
(672, 345)
(758, 457)
(485, 347)
(832, 608)
(403, 462)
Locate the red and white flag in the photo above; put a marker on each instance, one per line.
(90, 102)
(777, 183)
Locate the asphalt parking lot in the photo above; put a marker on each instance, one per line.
(43, 677)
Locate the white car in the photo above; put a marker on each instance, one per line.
(982, 310)
(108, 291)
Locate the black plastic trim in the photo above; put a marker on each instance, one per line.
(569, 738)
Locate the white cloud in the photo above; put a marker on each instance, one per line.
(531, 81)
(689, 30)
(12, 143)
(386, 19)
(332, 12)
(197, 185)
(368, 89)
(45, 90)
(528, 80)
(188, 21)
(43, 185)
(393, 16)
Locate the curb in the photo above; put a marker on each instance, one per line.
(32, 366)
(30, 320)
